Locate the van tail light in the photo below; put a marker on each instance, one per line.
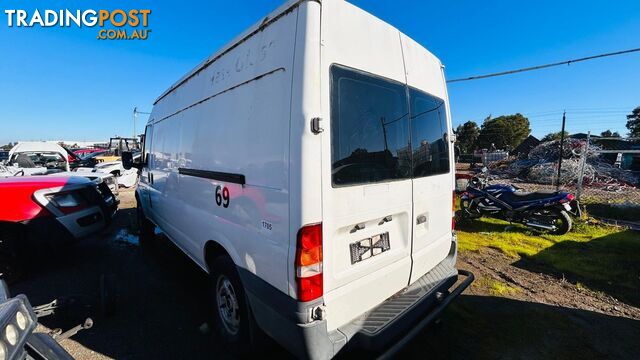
(309, 262)
(453, 211)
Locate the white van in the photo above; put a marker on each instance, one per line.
(308, 167)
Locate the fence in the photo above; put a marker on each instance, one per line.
(603, 173)
(616, 194)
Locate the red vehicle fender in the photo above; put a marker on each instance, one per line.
(18, 203)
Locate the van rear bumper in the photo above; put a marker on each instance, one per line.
(431, 316)
(383, 330)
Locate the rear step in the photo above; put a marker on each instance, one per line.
(373, 330)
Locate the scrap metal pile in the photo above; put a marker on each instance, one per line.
(541, 166)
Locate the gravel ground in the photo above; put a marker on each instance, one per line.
(156, 306)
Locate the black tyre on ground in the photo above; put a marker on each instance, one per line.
(146, 228)
(232, 320)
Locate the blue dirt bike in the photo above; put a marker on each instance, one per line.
(544, 211)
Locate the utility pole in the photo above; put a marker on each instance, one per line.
(384, 133)
(135, 115)
(564, 119)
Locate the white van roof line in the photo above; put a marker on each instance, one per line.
(257, 27)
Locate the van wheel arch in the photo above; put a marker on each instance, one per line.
(213, 250)
(221, 265)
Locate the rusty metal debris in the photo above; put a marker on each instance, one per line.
(541, 166)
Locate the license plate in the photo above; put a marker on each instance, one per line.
(370, 247)
(567, 206)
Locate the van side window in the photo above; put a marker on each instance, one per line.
(428, 135)
(369, 128)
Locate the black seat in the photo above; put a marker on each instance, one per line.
(520, 196)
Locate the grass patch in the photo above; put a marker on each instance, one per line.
(496, 287)
(602, 257)
(517, 240)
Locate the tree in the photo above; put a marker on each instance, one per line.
(608, 133)
(554, 136)
(505, 132)
(466, 135)
(633, 122)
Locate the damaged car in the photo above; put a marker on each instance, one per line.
(38, 158)
(125, 177)
(43, 213)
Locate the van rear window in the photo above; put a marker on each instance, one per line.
(428, 135)
(369, 128)
(376, 137)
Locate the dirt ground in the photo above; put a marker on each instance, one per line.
(155, 306)
(539, 317)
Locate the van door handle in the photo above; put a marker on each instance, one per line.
(357, 227)
(421, 219)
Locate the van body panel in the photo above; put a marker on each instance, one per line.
(247, 91)
(305, 185)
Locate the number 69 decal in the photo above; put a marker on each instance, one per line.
(222, 196)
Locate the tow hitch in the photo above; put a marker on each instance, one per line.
(50, 309)
(59, 335)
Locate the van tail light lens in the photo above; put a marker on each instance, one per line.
(453, 210)
(309, 262)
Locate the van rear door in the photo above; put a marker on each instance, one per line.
(367, 193)
(432, 161)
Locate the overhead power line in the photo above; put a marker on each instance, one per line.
(566, 62)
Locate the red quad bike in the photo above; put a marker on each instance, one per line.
(39, 214)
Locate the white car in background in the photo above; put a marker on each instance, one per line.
(126, 178)
(11, 170)
(98, 177)
(38, 158)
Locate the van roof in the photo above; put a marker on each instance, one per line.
(282, 10)
(255, 28)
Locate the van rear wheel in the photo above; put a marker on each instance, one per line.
(232, 319)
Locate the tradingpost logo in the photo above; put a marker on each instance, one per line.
(115, 24)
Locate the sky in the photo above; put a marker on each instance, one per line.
(64, 84)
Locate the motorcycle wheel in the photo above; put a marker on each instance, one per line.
(562, 221)
(559, 219)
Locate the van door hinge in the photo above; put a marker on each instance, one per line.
(315, 125)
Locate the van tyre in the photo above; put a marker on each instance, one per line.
(146, 229)
(231, 317)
